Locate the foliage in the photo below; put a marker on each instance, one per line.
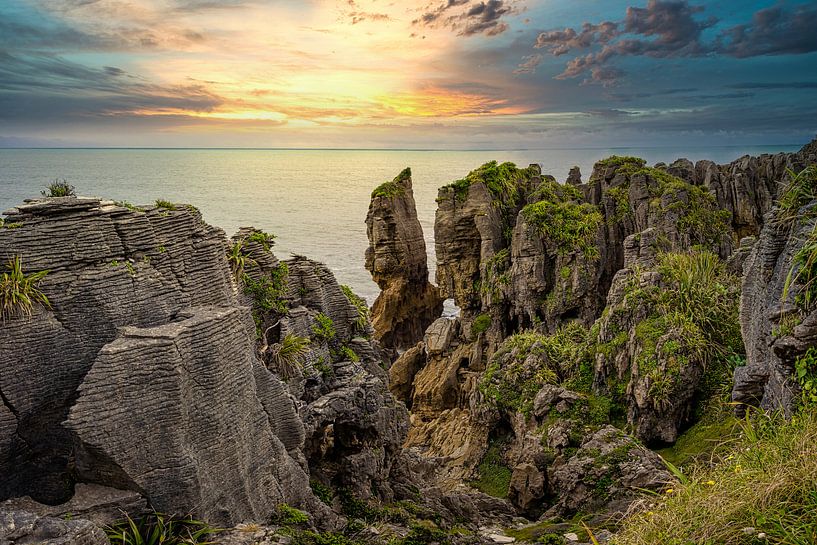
(19, 293)
(499, 179)
(324, 327)
(360, 305)
(766, 483)
(348, 354)
(238, 260)
(322, 492)
(617, 161)
(285, 515)
(803, 274)
(495, 274)
(159, 529)
(805, 370)
(59, 188)
(801, 189)
(480, 324)
(266, 240)
(129, 206)
(425, 534)
(571, 226)
(287, 356)
(526, 361)
(393, 188)
(494, 475)
(268, 292)
(167, 205)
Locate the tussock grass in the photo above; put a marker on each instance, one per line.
(19, 293)
(764, 491)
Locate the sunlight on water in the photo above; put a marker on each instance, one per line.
(315, 201)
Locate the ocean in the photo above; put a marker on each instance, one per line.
(314, 201)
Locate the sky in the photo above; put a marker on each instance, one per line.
(438, 74)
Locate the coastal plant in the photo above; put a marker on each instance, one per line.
(480, 324)
(392, 188)
(494, 476)
(805, 371)
(286, 515)
(800, 190)
(266, 240)
(322, 492)
(166, 205)
(572, 227)
(268, 292)
(324, 327)
(59, 188)
(360, 305)
(238, 260)
(803, 274)
(287, 357)
(159, 529)
(19, 292)
(761, 489)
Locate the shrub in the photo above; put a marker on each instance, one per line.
(324, 327)
(570, 226)
(322, 492)
(238, 260)
(803, 274)
(287, 356)
(19, 293)
(159, 529)
(167, 205)
(59, 188)
(286, 515)
(392, 188)
(268, 292)
(500, 179)
(801, 189)
(266, 240)
(480, 324)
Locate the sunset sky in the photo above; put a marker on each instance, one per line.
(416, 74)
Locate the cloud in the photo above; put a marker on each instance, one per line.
(357, 15)
(528, 64)
(675, 29)
(469, 19)
(773, 31)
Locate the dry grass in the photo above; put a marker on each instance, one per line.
(764, 491)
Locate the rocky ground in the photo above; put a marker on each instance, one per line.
(177, 370)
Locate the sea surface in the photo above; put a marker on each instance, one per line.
(315, 201)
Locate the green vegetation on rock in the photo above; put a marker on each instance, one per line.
(287, 357)
(268, 293)
(59, 188)
(392, 188)
(360, 305)
(481, 324)
(500, 179)
(324, 327)
(801, 189)
(762, 491)
(166, 205)
(494, 475)
(159, 529)
(569, 225)
(19, 292)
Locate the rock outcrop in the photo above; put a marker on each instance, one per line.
(396, 259)
(777, 314)
(150, 369)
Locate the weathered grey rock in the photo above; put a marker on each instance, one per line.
(25, 528)
(396, 259)
(439, 335)
(527, 486)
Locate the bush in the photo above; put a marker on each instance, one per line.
(360, 305)
(393, 188)
(159, 529)
(570, 226)
(59, 188)
(286, 515)
(324, 327)
(19, 293)
(167, 205)
(494, 476)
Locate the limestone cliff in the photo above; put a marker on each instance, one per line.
(396, 259)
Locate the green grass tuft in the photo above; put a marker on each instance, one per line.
(59, 188)
(19, 292)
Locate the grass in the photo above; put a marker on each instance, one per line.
(19, 292)
(287, 357)
(166, 205)
(494, 476)
(801, 189)
(802, 277)
(159, 529)
(286, 515)
(360, 305)
(767, 482)
(59, 188)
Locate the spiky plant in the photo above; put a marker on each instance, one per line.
(801, 189)
(19, 293)
(59, 188)
(287, 357)
(159, 529)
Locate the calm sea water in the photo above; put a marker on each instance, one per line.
(315, 201)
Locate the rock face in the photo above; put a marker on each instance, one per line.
(778, 319)
(149, 370)
(396, 259)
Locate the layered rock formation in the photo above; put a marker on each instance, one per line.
(777, 313)
(396, 259)
(148, 370)
(533, 264)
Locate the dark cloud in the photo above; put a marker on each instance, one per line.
(773, 31)
(674, 29)
(775, 85)
(42, 86)
(478, 18)
(356, 15)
